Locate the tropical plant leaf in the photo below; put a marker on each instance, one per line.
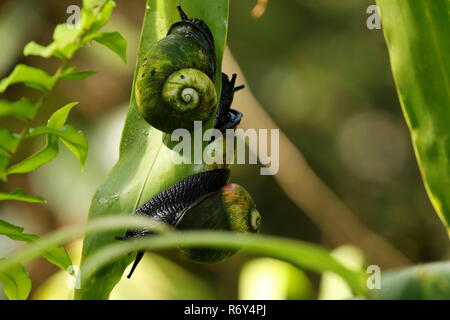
(114, 41)
(54, 254)
(145, 166)
(22, 108)
(16, 283)
(417, 34)
(20, 195)
(30, 76)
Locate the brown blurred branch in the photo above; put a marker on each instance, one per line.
(259, 9)
(336, 221)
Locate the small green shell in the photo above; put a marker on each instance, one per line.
(175, 83)
(230, 209)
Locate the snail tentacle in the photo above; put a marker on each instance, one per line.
(226, 117)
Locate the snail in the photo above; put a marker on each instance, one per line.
(198, 202)
(175, 82)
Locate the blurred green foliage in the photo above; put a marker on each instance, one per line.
(316, 69)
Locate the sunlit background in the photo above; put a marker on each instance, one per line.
(320, 74)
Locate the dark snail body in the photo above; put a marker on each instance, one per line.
(169, 205)
(201, 202)
(175, 83)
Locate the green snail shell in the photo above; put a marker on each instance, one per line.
(230, 209)
(175, 82)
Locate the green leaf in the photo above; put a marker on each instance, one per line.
(15, 232)
(96, 14)
(75, 75)
(38, 159)
(54, 254)
(74, 140)
(58, 256)
(20, 195)
(22, 108)
(67, 39)
(417, 34)
(35, 49)
(16, 283)
(32, 77)
(65, 43)
(300, 254)
(145, 166)
(114, 41)
(4, 162)
(9, 141)
(422, 282)
(92, 4)
(59, 117)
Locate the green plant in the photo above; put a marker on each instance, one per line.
(66, 42)
(145, 167)
(417, 34)
(302, 255)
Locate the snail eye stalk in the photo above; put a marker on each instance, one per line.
(183, 15)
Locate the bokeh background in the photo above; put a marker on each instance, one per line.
(319, 73)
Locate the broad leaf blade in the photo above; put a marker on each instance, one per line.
(422, 282)
(145, 166)
(417, 33)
